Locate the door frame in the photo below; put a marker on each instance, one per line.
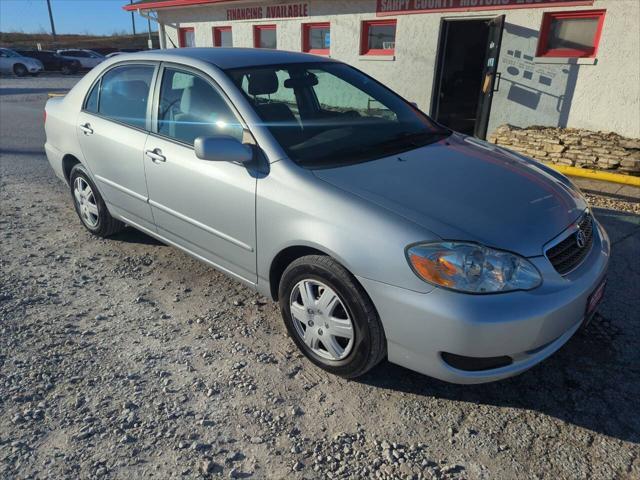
(440, 61)
(489, 75)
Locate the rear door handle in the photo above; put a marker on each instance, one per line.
(86, 129)
(155, 155)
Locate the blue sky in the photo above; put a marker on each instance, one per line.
(101, 17)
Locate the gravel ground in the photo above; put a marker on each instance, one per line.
(124, 358)
(605, 202)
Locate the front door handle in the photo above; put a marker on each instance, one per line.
(86, 129)
(155, 155)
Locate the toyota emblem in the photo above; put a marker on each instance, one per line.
(581, 239)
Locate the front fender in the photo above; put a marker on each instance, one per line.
(295, 208)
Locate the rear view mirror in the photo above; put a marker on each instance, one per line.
(222, 148)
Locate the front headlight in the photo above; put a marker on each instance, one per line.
(472, 268)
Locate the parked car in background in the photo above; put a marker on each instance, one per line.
(87, 58)
(380, 232)
(13, 62)
(52, 61)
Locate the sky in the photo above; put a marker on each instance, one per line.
(100, 17)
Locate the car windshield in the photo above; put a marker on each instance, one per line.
(330, 114)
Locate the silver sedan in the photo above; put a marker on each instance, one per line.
(379, 232)
(13, 62)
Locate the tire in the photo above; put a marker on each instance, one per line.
(66, 70)
(361, 348)
(20, 70)
(89, 204)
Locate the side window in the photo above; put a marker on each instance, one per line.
(124, 93)
(338, 96)
(189, 107)
(91, 103)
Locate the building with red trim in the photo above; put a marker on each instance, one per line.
(471, 64)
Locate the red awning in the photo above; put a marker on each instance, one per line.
(157, 4)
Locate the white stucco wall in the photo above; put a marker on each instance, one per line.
(602, 96)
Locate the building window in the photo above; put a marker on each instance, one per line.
(222, 37)
(264, 36)
(570, 34)
(186, 37)
(316, 38)
(378, 37)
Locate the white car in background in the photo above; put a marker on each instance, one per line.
(13, 62)
(87, 58)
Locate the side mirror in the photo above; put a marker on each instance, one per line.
(222, 148)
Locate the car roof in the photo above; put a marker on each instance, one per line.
(226, 58)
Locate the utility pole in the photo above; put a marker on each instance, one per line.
(149, 42)
(53, 27)
(133, 20)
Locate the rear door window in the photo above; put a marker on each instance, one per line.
(124, 94)
(91, 103)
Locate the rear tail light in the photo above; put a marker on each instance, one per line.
(44, 116)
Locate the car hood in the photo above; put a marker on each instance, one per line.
(463, 189)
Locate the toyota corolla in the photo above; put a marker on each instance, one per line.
(381, 233)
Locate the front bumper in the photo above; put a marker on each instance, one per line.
(526, 326)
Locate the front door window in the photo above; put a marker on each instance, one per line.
(190, 107)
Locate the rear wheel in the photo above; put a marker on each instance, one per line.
(20, 70)
(330, 317)
(66, 70)
(90, 206)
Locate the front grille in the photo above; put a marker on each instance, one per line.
(569, 253)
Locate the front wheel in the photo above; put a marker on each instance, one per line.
(90, 206)
(66, 70)
(330, 317)
(20, 70)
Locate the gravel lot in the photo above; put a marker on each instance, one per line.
(125, 358)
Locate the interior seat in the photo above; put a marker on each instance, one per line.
(277, 114)
(200, 109)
